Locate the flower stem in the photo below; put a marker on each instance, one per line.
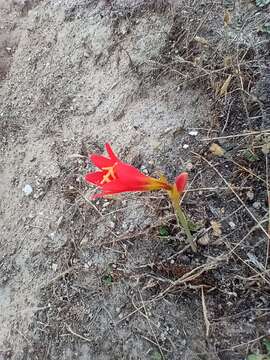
(182, 221)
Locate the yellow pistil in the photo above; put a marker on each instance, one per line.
(110, 174)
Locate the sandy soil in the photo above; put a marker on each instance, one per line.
(80, 280)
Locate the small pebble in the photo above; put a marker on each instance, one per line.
(84, 241)
(232, 225)
(52, 235)
(189, 166)
(144, 170)
(28, 190)
(163, 337)
(185, 146)
(107, 203)
(54, 267)
(257, 205)
(111, 224)
(250, 195)
(193, 133)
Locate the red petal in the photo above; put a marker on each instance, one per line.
(101, 161)
(181, 182)
(116, 186)
(112, 155)
(128, 174)
(95, 177)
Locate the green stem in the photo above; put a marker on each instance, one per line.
(182, 221)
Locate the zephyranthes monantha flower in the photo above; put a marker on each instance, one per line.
(115, 177)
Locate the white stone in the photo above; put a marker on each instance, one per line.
(28, 190)
(193, 133)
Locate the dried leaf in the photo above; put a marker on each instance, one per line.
(227, 18)
(217, 150)
(266, 148)
(216, 226)
(204, 240)
(224, 87)
(201, 40)
(216, 87)
(227, 61)
(197, 60)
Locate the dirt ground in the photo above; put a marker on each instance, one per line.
(161, 81)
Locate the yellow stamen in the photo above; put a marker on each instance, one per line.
(110, 174)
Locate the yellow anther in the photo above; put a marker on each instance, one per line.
(109, 176)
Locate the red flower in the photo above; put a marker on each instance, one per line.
(116, 176)
(181, 182)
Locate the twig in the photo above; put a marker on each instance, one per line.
(91, 204)
(154, 343)
(152, 330)
(191, 275)
(218, 188)
(227, 117)
(236, 346)
(247, 170)
(57, 277)
(235, 193)
(23, 336)
(207, 323)
(243, 344)
(77, 335)
(268, 201)
(246, 236)
(236, 135)
(251, 267)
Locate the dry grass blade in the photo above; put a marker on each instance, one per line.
(188, 277)
(91, 204)
(268, 201)
(224, 88)
(191, 276)
(59, 276)
(150, 326)
(261, 275)
(235, 193)
(237, 135)
(245, 237)
(248, 171)
(77, 335)
(207, 322)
